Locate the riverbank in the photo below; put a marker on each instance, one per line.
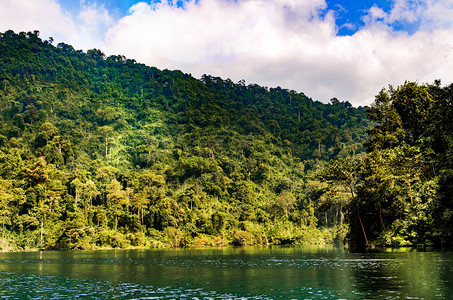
(170, 237)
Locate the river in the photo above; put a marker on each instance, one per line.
(297, 272)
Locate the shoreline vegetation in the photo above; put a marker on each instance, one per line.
(100, 151)
(174, 238)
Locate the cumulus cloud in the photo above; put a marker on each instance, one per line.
(438, 14)
(407, 10)
(85, 28)
(95, 17)
(290, 43)
(93, 21)
(45, 15)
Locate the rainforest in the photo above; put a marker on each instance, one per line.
(104, 152)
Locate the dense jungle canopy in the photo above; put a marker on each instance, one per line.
(100, 151)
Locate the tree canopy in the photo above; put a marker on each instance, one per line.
(100, 151)
(404, 190)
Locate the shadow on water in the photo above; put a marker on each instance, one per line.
(404, 273)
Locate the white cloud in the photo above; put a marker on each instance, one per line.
(93, 22)
(261, 41)
(438, 14)
(427, 14)
(374, 13)
(45, 16)
(407, 11)
(84, 29)
(290, 43)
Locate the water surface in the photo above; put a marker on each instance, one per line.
(299, 272)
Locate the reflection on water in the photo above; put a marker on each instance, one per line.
(310, 272)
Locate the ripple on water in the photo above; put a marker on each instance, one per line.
(182, 275)
(26, 286)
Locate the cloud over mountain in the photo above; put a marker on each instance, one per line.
(294, 44)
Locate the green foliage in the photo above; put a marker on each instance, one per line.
(403, 190)
(100, 151)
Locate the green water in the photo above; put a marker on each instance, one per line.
(302, 272)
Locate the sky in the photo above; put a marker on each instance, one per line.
(346, 49)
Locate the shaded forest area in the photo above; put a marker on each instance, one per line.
(404, 186)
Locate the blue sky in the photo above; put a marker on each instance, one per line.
(349, 13)
(323, 48)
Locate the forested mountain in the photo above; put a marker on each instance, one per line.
(100, 151)
(103, 151)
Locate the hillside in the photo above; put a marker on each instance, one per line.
(102, 151)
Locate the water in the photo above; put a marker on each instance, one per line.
(301, 272)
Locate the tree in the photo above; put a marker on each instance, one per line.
(389, 131)
(78, 187)
(106, 132)
(140, 201)
(5, 199)
(36, 173)
(334, 101)
(343, 174)
(286, 200)
(48, 131)
(54, 190)
(116, 196)
(90, 191)
(401, 185)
